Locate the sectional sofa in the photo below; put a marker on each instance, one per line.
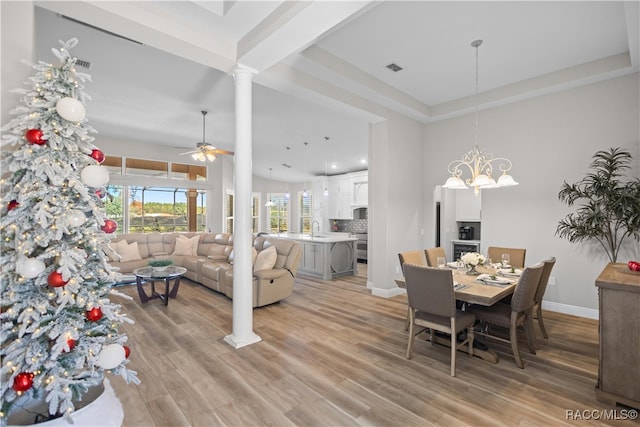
(208, 258)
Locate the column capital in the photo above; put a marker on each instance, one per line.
(243, 69)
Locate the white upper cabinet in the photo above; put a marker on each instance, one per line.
(468, 205)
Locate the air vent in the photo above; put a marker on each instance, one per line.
(286, 165)
(82, 63)
(394, 67)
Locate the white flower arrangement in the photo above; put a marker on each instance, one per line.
(473, 258)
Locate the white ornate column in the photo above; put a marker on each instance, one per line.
(242, 333)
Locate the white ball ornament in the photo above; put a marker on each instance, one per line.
(95, 175)
(30, 268)
(70, 109)
(110, 356)
(75, 218)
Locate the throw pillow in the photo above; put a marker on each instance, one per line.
(128, 252)
(185, 246)
(266, 259)
(111, 253)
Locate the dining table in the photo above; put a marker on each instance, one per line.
(487, 287)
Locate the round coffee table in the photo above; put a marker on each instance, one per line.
(151, 275)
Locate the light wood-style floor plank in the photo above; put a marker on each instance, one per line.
(334, 355)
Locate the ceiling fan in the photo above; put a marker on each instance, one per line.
(205, 151)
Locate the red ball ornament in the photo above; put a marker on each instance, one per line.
(23, 381)
(94, 314)
(109, 226)
(127, 351)
(101, 192)
(71, 343)
(97, 155)
(55, 280)
(634, 265)
(34, 136)
(12, 205)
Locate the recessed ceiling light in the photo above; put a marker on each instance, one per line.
(394, 67)
(363, 161)
(334, 166)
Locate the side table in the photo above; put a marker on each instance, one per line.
(151, 275)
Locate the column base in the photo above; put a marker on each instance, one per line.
(237, 342)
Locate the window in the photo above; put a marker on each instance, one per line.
(147, 168)
(278, 214)
(228, 208)
(158, 208)
(305, 211)
(162, 209)
(229, 213)
(114, 205)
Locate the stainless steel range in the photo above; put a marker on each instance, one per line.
(361, 246)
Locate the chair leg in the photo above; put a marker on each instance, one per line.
(454, 347)
(411, 337)
(540, 322)
(513, 335)
(470, 337)
(529, 332)
(406, 322)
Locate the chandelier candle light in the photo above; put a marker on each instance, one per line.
(479, 163)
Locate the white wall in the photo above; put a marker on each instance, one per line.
(17, 18)
(396, 199)
(549, 139)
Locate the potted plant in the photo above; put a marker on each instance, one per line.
(160, 264)
(609, 204)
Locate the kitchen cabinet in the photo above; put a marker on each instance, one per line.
(360, 193)
(619, 361)
(313, 258)
(340, 196)
(468, 206)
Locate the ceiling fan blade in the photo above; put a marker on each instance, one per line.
(219, 151)
(188, 152)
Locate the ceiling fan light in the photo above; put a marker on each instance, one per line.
(454, 183)
(210, 156)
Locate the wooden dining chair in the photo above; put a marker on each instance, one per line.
(432, 305)
(433, 254)
(542, 287)
(417, 257)
(516, 256)
(511, 316)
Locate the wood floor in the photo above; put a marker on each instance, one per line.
(333, 355)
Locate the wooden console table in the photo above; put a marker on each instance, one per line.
(619, 306)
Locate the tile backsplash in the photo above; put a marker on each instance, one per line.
(350, 225)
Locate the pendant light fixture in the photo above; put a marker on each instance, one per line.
(477, 162)
(269, 201)
(326, 189)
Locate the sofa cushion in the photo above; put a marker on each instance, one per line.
(254, 255)
(127, 251)
(266, 259)
(186, 246)
(218, 252)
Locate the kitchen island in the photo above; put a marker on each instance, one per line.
(326, 255)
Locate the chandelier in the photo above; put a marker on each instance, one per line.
(478, 163)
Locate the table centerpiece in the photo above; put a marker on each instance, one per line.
(471, 260)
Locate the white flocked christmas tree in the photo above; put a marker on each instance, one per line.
(59, 327)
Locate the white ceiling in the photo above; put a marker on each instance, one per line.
(322, 66)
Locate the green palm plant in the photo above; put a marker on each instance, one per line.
(609, 204)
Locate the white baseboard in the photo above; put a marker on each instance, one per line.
(386, 293)
(570, 309)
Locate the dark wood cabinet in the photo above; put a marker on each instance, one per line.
(619, 328)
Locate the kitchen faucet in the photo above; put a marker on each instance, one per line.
(314, 222)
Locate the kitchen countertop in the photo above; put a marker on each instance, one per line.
(318, 237)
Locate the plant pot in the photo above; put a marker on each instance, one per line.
(160, 269)
(97, 408)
